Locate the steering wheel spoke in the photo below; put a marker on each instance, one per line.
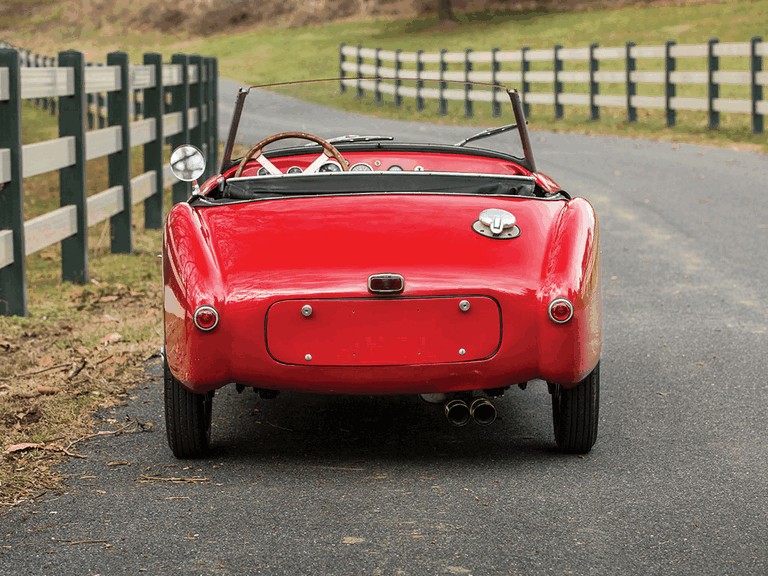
(271, 168)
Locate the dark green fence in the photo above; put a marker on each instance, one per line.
(103, 110)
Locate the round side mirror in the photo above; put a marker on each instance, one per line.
(187, 163)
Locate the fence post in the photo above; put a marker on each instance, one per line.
(214, 133)
(153, 151)
(557, 87)
(90, 106)
(54, 101)
(631, 85)
(398, 82)
(713, 89)
(495, 67)
(72, 179)
(119, 114)
(525, 86)
(13, 289)
(377, 82)
(670, 90)
(756, 66)
(197, 133)
(468, 111)
(419, 81)
(180, 103)
(359, 63)
(342, 72)
(205, 124)
(443, 104)
(594, 85)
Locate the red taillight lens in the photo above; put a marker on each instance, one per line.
(561, 310)
(206, 318)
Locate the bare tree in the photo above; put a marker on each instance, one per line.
(445, 11)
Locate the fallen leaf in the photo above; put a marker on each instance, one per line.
(48, 390)
(352, 540)
(118, 463)
(13, 448)
(111, 338)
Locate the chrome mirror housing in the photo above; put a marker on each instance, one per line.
(187, 163)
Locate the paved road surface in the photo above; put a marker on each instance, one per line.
(676, 484)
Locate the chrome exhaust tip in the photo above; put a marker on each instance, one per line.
(457, 412)
(483, 411)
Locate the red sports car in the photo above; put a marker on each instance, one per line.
(360, 265)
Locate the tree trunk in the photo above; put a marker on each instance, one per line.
(445, 11)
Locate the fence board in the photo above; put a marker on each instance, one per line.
(615, 53)
(143, 186)
(575, 99)
(4, 89)
(5, 165)
(731, 77)
(6, 248)
(656, 102)
(47, 82)
(172, 75)
(693, 104)
(193, 114)
(538, 98)
(608, 77)
(689, 77)
(573, 54)
(105, 204)
(102, 142)
(142, 131)
(732, 49)
(141, 76)
(172, 123)
(646, 52)
(732, 105)
(509, 77)
(611, 100)
(50, 228)
(430, 57)
(102, 79)
(568, 76)
(689, 51)
(510, 56)
(42, 157)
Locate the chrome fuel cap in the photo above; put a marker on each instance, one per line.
(497, 223)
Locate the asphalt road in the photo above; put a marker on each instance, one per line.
(676, 483)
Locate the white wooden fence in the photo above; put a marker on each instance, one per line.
(631, 77)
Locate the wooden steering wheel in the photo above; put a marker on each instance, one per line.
(329, 151)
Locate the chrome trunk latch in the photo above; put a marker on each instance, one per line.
(496, 223)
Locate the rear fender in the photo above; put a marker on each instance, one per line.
(570, 351)
(191, 278)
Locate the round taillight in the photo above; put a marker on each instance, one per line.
(206, 318)
(561, 310)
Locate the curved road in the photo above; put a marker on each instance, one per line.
(676, 483)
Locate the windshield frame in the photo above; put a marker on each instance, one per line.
(514, 97)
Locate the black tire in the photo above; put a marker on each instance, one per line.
(575, 413)
(187, 418)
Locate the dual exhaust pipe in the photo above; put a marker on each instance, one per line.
(459, 413)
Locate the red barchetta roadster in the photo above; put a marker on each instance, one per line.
(360, 265)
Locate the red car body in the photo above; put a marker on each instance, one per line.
(288, 278)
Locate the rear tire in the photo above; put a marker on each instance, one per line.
(187, 418)
(575, 414)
